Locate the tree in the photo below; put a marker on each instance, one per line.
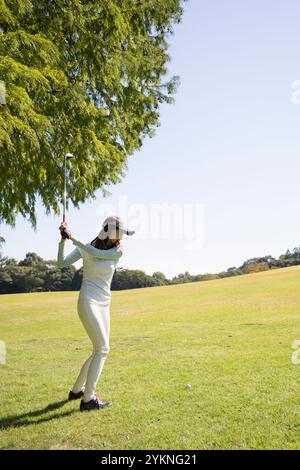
(53, 280)
(31, 259)
(33, 281)
(131, 279)
(77, 279)
(6, 262)
(160, 278)
(67, 275)
(5, 281)
(80, 75)
(20, 276)
(182, 277)
(50, 263)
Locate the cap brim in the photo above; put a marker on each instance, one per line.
(129, 232)
(121, 227)
(126, 230)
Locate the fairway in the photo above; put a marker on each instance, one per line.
(229, 338)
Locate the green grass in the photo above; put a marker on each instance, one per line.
(230, 339)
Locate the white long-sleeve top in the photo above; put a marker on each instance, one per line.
(98, 269)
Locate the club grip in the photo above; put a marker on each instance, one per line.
(65, 233)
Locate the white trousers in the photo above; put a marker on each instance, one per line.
(96, 321)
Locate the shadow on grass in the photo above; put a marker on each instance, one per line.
(25, 418)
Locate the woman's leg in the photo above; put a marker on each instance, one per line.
(96, 321)
(81, 379)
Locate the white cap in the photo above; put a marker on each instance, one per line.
(116, 223)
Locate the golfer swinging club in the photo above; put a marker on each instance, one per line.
(100, 257)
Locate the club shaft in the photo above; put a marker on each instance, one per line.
(65, 192)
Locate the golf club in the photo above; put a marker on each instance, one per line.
(65, 233)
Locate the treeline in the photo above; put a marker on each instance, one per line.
(34, 274)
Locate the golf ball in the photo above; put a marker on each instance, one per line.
(188, 386)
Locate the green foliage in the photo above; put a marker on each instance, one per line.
(182, 277)
(31, 259)
(80, 76)
(77, 279)
(6, 281)
(131, 279)
(160, 278)
(33, 274)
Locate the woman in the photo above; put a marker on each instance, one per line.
(99, 262)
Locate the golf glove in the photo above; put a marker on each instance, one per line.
(65, 233)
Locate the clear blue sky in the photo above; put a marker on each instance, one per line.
(229, 143)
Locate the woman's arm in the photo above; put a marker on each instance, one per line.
(114, 253)
(62, 261)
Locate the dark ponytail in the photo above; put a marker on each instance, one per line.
(103, 243)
